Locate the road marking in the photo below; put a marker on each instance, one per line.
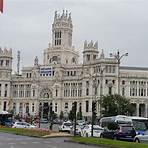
(35, 142)
(47, 142)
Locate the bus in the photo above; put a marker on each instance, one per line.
(139, 123)
(119, 119)
(5, 118)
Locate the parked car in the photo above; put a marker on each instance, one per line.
(43, 120)
(81, 122)
(142, 138)
(57, 121)
(86, 131)
(65, 127)
(23, 125)
(78, 130)
(123, 132)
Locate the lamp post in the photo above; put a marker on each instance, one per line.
(118, 58)
(101, 87)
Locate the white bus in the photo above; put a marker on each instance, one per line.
(119, 119)
(140, 124)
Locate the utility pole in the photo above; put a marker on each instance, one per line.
(94, 113)
(74, 110)
(18, 62)
(51, 116)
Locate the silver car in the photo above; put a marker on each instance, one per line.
(142, 138)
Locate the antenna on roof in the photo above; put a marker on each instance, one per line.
(18, 62)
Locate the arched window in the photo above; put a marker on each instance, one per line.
(74, 60)
(46, 95)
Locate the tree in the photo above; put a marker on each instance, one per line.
(116, 105)
(79, 115)
(61, 115)
(71, 115)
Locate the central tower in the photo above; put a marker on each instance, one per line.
(61, 51)
(62, 30)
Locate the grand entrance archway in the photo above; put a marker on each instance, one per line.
(45, 103)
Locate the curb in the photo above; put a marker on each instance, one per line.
(56, 136)
(96, 145)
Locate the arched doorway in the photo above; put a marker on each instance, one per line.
(45, 103)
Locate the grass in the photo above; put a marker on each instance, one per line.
(26, 132)
(109, 143)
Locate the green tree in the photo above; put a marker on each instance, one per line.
(71, 115)
(61, 115)
(79, 115)
(116, 105)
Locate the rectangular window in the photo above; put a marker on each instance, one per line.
(87, 106)
(5, 95)
(5, 105)
(33, 93)
(32, 107)
(56, 107)
(66, 105)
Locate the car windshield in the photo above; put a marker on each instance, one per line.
(67, 124)
(140, 125)
(98, 129)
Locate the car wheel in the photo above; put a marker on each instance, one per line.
(137, 140)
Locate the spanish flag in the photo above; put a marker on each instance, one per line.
(1, 6)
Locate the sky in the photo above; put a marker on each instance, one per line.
(120, 25)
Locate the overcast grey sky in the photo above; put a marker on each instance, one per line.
(25, 25)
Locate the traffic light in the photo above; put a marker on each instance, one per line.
(94, 109)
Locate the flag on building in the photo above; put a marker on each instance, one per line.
(1, 6)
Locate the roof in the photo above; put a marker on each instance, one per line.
(133, 68)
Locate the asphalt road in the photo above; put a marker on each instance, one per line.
(16, 141)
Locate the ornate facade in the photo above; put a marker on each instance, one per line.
(62, 79)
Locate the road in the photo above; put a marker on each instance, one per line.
(16, 141)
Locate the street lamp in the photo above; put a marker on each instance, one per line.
(118, 58)
(101, 86)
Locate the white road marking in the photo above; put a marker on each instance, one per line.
(35, 142)
(47, 142)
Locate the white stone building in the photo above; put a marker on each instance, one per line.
(62, 79)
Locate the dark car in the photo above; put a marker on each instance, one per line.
(123, 132)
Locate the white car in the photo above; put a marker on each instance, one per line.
(86, 131)
(65, 127)
(142, 138)
(23, 125)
